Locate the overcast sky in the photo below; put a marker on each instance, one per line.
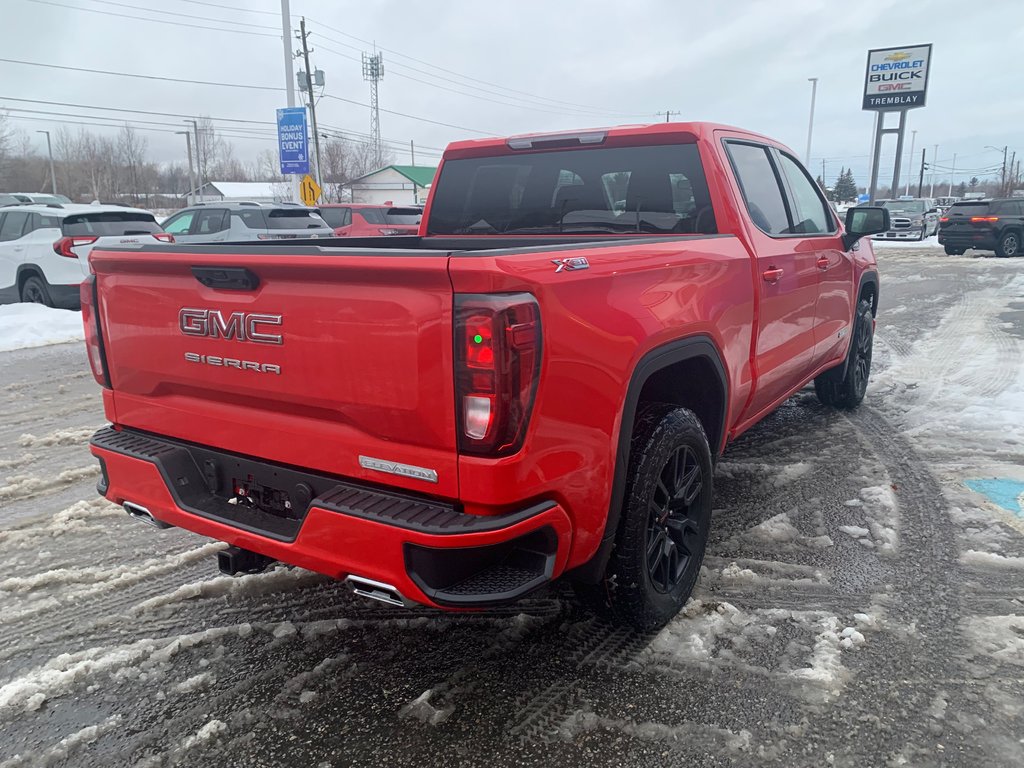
(526, 66)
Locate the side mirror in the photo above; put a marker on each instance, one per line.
(864, 221)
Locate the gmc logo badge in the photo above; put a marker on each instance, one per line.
(240, 326)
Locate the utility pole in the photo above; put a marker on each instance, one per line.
(810, 122)
(312, 102)
(824, 181)
(667, 113)
(1003, 189)
(199, 154)
(951, 173)
(935, 159)
(920, 179)
(373, 72)
(289, 75)
(49, 151)
(910, 159)
(191, 177)
(412, 154)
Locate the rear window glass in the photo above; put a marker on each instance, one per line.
(333, 216)
(652, 190)
(110, 223)
(372, 215)
(298, 218)
(404, 215)
(968, 209)
(253, 219)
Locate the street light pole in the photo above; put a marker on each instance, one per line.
(191, 175)
(289, 75)
(810, 122)
(910, 160)
(49, 151)
(935, 159)
(952, 173)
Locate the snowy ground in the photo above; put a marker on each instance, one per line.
(860, 606)
(33, 325)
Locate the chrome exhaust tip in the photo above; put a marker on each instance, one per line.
(139, 512)
(377, 590)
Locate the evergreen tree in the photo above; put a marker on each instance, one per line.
(961, 189)
(845, 188)
(974, 182)
(821, 183)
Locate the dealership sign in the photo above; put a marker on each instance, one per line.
(897, 78)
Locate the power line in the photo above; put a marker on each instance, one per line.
(412, 117)
(457, 74)
(141, 77)
(154, 21)
(178, 15)
(276, 14)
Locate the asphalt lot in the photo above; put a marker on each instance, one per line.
(860, 606)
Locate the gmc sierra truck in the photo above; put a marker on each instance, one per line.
(537, 385)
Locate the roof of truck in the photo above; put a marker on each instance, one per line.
(691, 131)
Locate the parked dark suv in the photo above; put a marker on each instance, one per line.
(986, 225)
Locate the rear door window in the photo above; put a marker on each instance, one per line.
(294, 218)
(110, 223)
(41, 221)
(13, 225)
(1008, 208)
(760, 186)
(210, 220)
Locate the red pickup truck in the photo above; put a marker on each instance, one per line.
(537, 385)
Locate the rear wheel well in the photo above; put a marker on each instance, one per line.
(869, 291)
(692, 383)
(25, 272)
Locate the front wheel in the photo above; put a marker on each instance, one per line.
(1008, 245)
(954, 251)
(665, 520)
(846, 390)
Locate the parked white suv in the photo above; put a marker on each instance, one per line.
(234, 222)
(44, 249)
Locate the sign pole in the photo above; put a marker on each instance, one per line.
(894, 192)
(289, 77)
(879, 127)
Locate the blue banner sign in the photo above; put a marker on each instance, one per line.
(292, 140)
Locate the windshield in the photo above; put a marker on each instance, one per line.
(653, 189)
(294, 218)
(110, 223)
(905, 206)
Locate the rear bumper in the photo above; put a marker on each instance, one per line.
(428, 551)
(981, 239)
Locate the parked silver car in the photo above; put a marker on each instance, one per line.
(241, 221)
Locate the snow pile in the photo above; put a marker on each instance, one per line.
(66, 747)
(60, 437)
(250, 585)
(208, 732)
(421, 709)
(682, 734)
(878, 504)
(33, 325)
(991, 559)
(928, 244)
(998, 637)
(778, 532)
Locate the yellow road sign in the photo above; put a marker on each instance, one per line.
(309, 190)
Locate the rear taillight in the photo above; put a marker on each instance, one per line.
(63, 246)
(93, 337)
(983, 219)
(944, 219)
(163, 237)
(497, 364)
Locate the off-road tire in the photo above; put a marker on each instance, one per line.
(846, 389)
(668, 443)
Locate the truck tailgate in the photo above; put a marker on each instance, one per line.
(338, 360)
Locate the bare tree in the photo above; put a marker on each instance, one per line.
(343, 160)
(131, 151)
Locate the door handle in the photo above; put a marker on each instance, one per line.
(772, 275)
(823, 262)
